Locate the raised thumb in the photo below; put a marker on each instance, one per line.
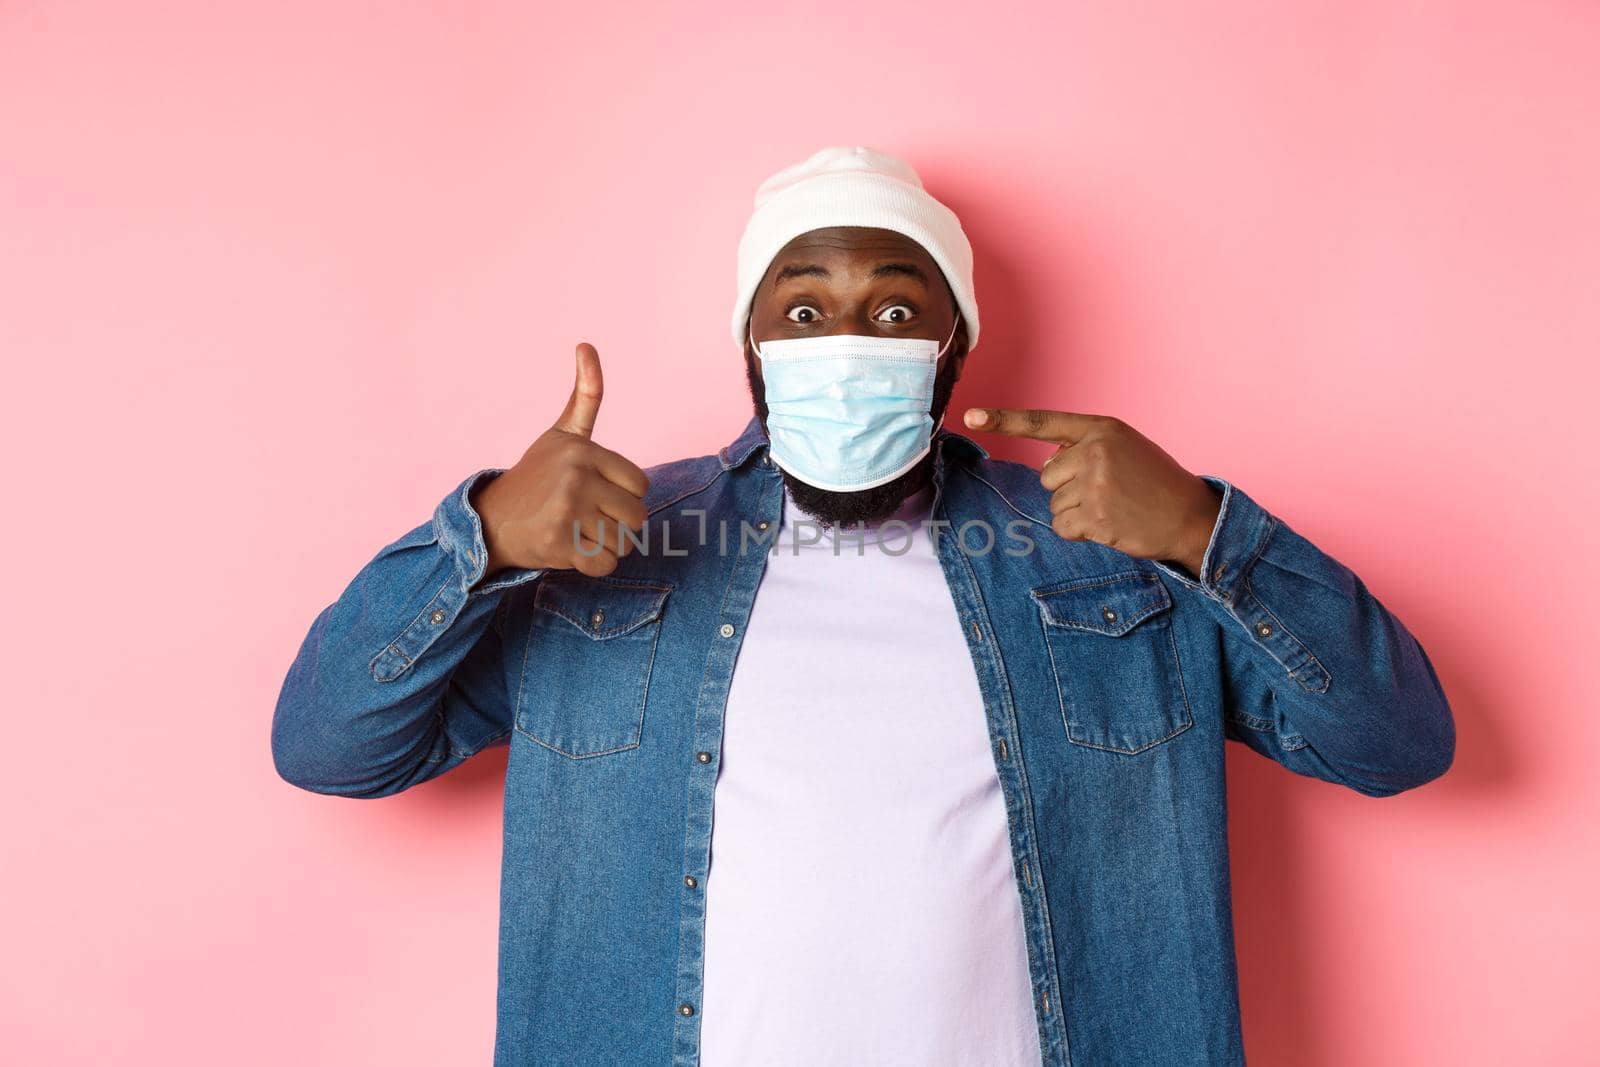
(584, 405)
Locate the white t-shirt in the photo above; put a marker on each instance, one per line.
(861, 906)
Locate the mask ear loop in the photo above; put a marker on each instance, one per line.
(940, 424)
(952, 336)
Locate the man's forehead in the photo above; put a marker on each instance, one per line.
(849, 239)
(842, 250)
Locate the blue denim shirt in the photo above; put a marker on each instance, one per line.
(1109, 685)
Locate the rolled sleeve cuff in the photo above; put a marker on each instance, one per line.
(460, 531)
(1236, 540)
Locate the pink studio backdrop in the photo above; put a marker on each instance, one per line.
(274, 278)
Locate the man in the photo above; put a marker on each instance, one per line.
(849, 743)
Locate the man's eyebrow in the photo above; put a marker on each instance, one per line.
(797, 270)
(884, 270)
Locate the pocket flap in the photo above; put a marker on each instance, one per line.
(1112, 604)
(600, 607)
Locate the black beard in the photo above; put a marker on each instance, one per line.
(835, 508)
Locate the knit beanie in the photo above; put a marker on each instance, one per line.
(852, 186)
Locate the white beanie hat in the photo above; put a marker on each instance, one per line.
(852, 186)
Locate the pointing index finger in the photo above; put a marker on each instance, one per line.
(1059, 427)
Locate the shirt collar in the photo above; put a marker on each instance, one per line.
(751, 438)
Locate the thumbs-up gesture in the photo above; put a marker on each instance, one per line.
(1111, 484)
(565, 502)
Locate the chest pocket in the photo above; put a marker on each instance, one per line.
(1115, 660)
(586, 667)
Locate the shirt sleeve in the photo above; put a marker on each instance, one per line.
(403, 676)
(1317, 673)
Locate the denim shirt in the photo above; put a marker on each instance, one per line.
(1109, 686)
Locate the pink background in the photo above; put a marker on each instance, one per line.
(273, 282)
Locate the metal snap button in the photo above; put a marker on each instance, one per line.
(685, 1009)
(726, 629)
(703, 757)
(763, 524)
(689, 880)
(597, 618)
(437, 617)
(1110, 615)
(1263, 629)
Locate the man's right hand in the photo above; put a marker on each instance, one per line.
(564, 480)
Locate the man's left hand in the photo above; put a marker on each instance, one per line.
(1111, 484)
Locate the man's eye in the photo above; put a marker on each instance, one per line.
(802, 313)
(899, 314)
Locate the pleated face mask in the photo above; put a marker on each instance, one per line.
(849, 411)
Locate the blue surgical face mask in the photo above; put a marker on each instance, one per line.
(849, 411)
